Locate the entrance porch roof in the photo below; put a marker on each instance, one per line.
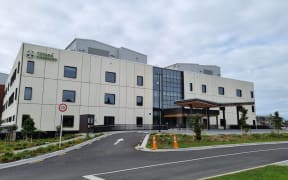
(201, 103)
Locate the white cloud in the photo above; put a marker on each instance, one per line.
(247, 38)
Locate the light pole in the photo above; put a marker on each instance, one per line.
(160, 98)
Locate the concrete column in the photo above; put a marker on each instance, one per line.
(217, 121)
(208, 118)
(224, 118)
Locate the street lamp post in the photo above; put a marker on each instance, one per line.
(160, 98)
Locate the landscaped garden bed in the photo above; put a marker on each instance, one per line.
(165, 141)
(10, 156)
(23, 144)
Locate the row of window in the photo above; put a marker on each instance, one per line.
(13, 78)
(70, 95)
(71, 72)
(68, 120)
(221, 90)
(9, 119)
(11, 100)
(110, 121)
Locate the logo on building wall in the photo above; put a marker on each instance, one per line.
(40, 55)
(30, 54)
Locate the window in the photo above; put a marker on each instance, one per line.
(13, 77)
(24, 117)
(191, 87)
(28, 93)
(204, 89)
(252, 94)
(139, 121)
(109, 98)
(18, 68)
(70, 72)
(253, 109)
(221, 90)
(68, 121)
(238, 92)
(139, 101)
(30, 67)
(109, 120)
(68, 96)
(110, 77)
(16, 93)
(139, 80)
(11, 99)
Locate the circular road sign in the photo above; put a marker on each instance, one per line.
(62, 107)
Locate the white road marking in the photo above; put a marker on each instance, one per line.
(91, 177)
(183, 161)
(118, 141)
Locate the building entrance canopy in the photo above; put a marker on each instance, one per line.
(200, 103)
(206, 105)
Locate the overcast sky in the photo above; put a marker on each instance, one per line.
(247, 39)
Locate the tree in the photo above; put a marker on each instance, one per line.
(28, 128)
(243, 119)
(277, 121)
(196, 124)
(10, 135)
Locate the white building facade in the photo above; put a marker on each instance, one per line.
(107, 92)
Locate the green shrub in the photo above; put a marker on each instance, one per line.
(7, 157)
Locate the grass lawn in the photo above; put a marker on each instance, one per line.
(265, 173)
(22, 144)
(165, 141)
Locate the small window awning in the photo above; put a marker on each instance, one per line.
(200, 103)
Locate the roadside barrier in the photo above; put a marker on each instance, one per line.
(154, 145)
(175, 145)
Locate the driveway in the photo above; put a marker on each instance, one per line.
(114, 157)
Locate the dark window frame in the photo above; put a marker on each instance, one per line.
(239, 92)
(30, 69)
(68, 124)
(204, 88)
(66, 99)
(24, 117)
(221, 90)
(252, 94)
(26, 96)
(191, 86)
(16, 93)
(139, 121)
(106, 99)
(140, 80)
(67, 74)
(109, 120)
(253, 108)
(110, 77)
(139, 100)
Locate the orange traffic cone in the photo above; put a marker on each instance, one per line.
(175, 143)
(154, 145)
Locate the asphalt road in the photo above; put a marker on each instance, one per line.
(107, 160)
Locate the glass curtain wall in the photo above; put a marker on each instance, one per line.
(167, 88)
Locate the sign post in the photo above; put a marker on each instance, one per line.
(62, 108)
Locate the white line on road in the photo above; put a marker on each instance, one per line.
(118, 141)
(91, 177)
(183, 161)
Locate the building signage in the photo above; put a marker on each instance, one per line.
(40, 55)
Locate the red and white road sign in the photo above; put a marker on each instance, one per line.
(62, 107)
